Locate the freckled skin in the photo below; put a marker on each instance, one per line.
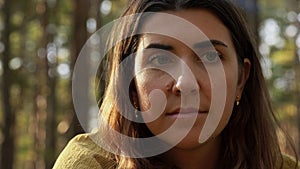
(148, 80)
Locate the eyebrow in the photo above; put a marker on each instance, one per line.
(203, 44)
(208, 43)
(159, 46)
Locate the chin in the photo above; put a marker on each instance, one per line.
(191, 140)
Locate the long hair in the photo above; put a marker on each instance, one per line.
(249, 140)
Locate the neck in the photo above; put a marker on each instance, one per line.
(205, 155)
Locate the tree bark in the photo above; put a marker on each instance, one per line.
(294, 5)
(50, 85)
(8, 145)
(297, 79)
(80, 35)
(297, 82)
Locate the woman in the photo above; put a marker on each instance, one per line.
(243, 137)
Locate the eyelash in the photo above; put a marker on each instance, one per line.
(169, 60)
(158, 56)
(216, 53)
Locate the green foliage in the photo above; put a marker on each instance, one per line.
(282, 82)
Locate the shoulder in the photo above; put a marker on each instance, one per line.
(289, 162)
(82, 152)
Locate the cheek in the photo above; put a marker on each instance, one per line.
(153, 98)
(231, 83)
(146, 82)
(143, 89)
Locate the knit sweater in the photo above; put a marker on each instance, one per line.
(82, 153)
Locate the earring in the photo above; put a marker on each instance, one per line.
(237, 100)
(136, 109)
(136, 114)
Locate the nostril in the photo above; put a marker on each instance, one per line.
(184, 86)
(177, 89)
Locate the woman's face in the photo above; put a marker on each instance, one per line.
(181, 90)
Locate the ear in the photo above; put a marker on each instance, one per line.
(243, 77)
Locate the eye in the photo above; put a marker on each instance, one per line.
(160, 60)
(210, 57)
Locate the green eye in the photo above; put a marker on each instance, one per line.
(160, 60)
(210, 57)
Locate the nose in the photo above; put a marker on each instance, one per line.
(186, 83)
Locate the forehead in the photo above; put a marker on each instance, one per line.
(189, 26)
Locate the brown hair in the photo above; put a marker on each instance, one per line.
(249, 139)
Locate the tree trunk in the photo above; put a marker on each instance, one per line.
(8, 145)
(101, 78)
(294, 5)
(50, 85)
(297, 82)
(81, 11)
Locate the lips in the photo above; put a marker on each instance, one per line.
(185, 113)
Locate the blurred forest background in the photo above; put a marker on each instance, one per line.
(41, 39)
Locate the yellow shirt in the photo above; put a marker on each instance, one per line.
(81, 153)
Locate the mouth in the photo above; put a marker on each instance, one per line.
(186, 113)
